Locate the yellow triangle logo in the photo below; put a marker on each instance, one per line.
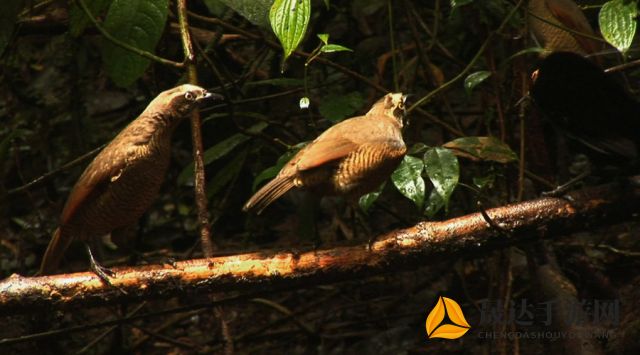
(436, 328)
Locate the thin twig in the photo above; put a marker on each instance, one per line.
(50, 174)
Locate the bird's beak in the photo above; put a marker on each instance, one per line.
(406, 96)
(210, 96)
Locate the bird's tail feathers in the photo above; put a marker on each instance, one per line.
(52, 257)
(268, 193)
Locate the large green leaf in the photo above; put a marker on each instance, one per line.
(8, 17)
(408, 180)
(139, 23)
(617, 20)
(443, 171)
(482, 148)
(79, 21)
(366, 201)
(289, 20)
(219, 151)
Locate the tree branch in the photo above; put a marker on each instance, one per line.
(422, 244)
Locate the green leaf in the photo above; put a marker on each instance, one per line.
(227, 174)
(324, 37)
(328, 48)
(256, 11)
(336, 107)
(434, 204)
(408, 180)
(79, 21)
(483, 182)
(458, 3)
(443, 171)
(8, 17)
(417, 148)
(139, 23)
(367, 200)
(289, 20)
(617, 20)
(219, 151)
(271, 172)
(482, 148)
(474, 79)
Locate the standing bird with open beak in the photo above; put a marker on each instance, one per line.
(351, 158)
(123, 180)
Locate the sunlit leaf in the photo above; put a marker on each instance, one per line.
(289, 20)
(482, 148)
(324, 37)
(328, 48)
(434, 204)
(474, 79)
(617, 21)
(139, 23)
(407, 178)
(443, 170)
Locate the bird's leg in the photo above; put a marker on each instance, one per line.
(102, 272)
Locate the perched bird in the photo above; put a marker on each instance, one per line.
(590, 106)
(124, 178)
(567, 14)
(349, 159)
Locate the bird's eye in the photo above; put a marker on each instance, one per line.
(401, 105)
(189, 96)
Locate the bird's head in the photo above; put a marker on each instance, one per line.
(391, 105)
(181, 100)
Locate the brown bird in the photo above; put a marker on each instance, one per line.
(567, 14)
(124, 178)
(349, 159)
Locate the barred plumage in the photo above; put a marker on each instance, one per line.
(125, 177)
(349, 159)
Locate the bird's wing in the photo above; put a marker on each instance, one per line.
(570, 16)
(94, 180)
(323, 151)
